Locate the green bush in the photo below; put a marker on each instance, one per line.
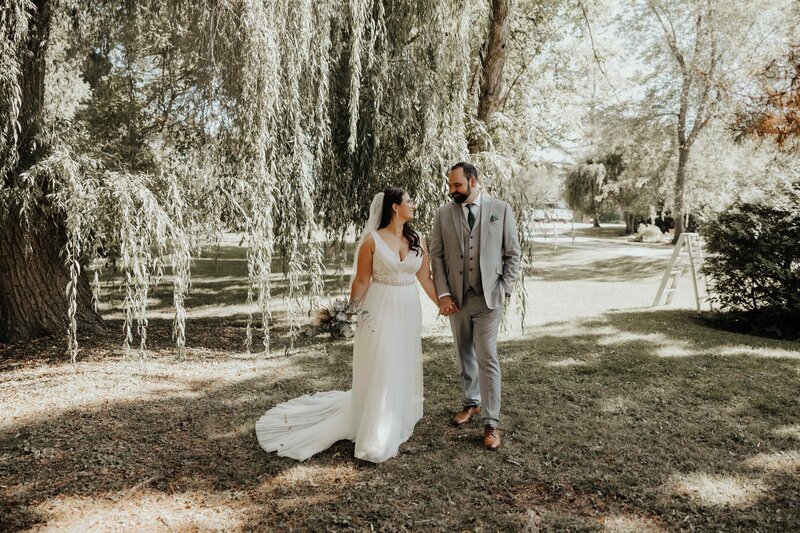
(754, 260)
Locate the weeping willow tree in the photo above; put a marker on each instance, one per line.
(583, 188)
(276, 119)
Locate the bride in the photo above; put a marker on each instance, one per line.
(385, 402)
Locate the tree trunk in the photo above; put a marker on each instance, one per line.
(629, 223)
(33, 71)
(32, 285)
(33, 276)
(595, 209)
(494, 62)
(679, 209)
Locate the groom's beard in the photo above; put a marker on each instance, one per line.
(461, 198)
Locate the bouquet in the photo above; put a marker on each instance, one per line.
(340, 319)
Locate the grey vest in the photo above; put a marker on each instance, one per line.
(472, 263)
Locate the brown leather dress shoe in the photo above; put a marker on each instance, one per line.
(466, 415)
(491, 438)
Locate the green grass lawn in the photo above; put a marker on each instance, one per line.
(632, 420)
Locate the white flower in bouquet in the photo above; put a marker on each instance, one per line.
(347, 331)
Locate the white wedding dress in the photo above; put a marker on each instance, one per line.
(381, 409)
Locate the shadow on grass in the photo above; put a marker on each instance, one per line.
(611, 270)
(661, 415)
(604, 231)
(219, 278)
(637, 420)
(197, 435)
(212, 258)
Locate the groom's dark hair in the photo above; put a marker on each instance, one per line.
(469, 170)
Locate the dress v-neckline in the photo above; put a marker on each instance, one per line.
(397, 256)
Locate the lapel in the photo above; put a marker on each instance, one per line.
(455, 211)
(486, 213)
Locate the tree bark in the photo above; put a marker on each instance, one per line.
(679, 210)
(32, 85)
(493, 65)
(629, 223)
(686, 135)
(33, 276)
(33, 301)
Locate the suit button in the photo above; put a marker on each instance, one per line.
(470, 270)
(470, 247)
(460, 272)
(470, 259)
(462, 257)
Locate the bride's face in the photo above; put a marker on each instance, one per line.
(405, 209)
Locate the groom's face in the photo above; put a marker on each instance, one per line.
(460, 186)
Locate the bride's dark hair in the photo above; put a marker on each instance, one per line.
(391, 196)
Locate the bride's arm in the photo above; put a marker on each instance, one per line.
(424, 274)
(363, 271)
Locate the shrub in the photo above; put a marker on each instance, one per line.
(666, 223)
(648, 233)
(754, 261)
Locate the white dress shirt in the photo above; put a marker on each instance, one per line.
(465, 209)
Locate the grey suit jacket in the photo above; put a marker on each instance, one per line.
(500, 253)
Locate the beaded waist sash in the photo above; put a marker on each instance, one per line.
(393, 282)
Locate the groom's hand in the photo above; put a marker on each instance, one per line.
(447, 306)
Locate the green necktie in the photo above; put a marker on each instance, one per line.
(471, 216)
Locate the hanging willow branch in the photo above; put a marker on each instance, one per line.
(358, 16)
(277, 120)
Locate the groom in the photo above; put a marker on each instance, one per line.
(475, 257)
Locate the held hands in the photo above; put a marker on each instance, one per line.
(447, 306)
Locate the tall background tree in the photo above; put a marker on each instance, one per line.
(492, 66)
(527, 108)
(695, 55)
